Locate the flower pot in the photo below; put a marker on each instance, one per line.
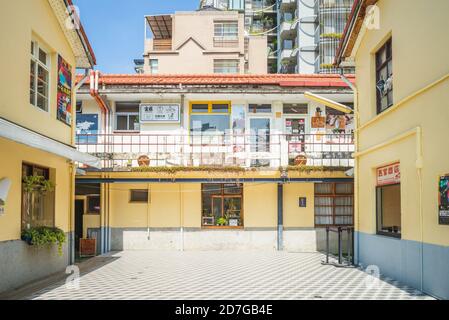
(27, 239)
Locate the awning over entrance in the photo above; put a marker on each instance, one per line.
(27, 137)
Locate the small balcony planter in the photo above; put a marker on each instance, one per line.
(44, 236)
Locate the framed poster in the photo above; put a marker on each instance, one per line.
(86, 128)
(157, 112)
(443, 203)
(64, 92)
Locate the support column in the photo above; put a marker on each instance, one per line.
(280, 245)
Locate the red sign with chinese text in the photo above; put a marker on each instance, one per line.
(390, 174)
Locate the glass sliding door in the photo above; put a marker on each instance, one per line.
(260, 141)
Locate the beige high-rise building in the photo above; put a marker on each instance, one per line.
(202, 42)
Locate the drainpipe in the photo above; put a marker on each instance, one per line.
(105, 112)
(94, 92)
(354, 88)
(280, 216)
(72, 173)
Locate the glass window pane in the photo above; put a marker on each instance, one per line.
(139, 195)
(295, 109)
(260, 108)
(93, 204)
(133, 122)
(41, 102)
(220, 108)
(42, 56)
(232, 188)
(127, 106)
(209, 123)
(122, 122)
(233, 210)
(217, 211)
(200, 108)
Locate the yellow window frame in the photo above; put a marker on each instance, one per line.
(209, 107)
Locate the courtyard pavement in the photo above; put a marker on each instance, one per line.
(217, 276)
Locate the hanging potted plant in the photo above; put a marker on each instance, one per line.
(34, 186)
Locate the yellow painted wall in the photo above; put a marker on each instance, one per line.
(260, 205)
(164, 210)
(12, 155)
(419, 58)
(294, 216)
(20, 20)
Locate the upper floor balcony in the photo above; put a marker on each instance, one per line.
(134, 152)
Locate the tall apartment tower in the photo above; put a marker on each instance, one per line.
(302, 35)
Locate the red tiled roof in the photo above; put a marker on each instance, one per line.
(283, 80)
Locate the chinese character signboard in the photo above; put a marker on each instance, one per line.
(64, 97)
(160, 113)
(443, 203)
(390, 174)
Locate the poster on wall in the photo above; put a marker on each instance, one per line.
(318, 121)
(151, 113)
(388, 175)
(86, 128)
(339, 124)
(64, 92)
(443, 203)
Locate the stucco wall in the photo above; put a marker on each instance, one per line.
(12, 155)
(20, 22)
(419, 59)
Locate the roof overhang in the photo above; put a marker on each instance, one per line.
(14, 132)
(161, 26)
(354, 29)
(74, 32)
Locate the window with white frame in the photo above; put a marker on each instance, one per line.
(154, 66)
(127, 116)
(226, 34)
(226, 66)
(39, 76)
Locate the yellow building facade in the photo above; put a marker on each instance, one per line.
(39, 55)
(402, 112)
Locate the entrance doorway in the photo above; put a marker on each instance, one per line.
(79, 212)
(260, 140)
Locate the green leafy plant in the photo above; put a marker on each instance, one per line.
(37, 184)
(222, 221)
(172, 170)
(40, 236)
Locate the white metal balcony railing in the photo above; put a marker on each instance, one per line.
(121, 151)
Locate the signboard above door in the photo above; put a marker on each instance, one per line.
(390, 174)
(159, 112)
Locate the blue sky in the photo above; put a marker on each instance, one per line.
(116, 28)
